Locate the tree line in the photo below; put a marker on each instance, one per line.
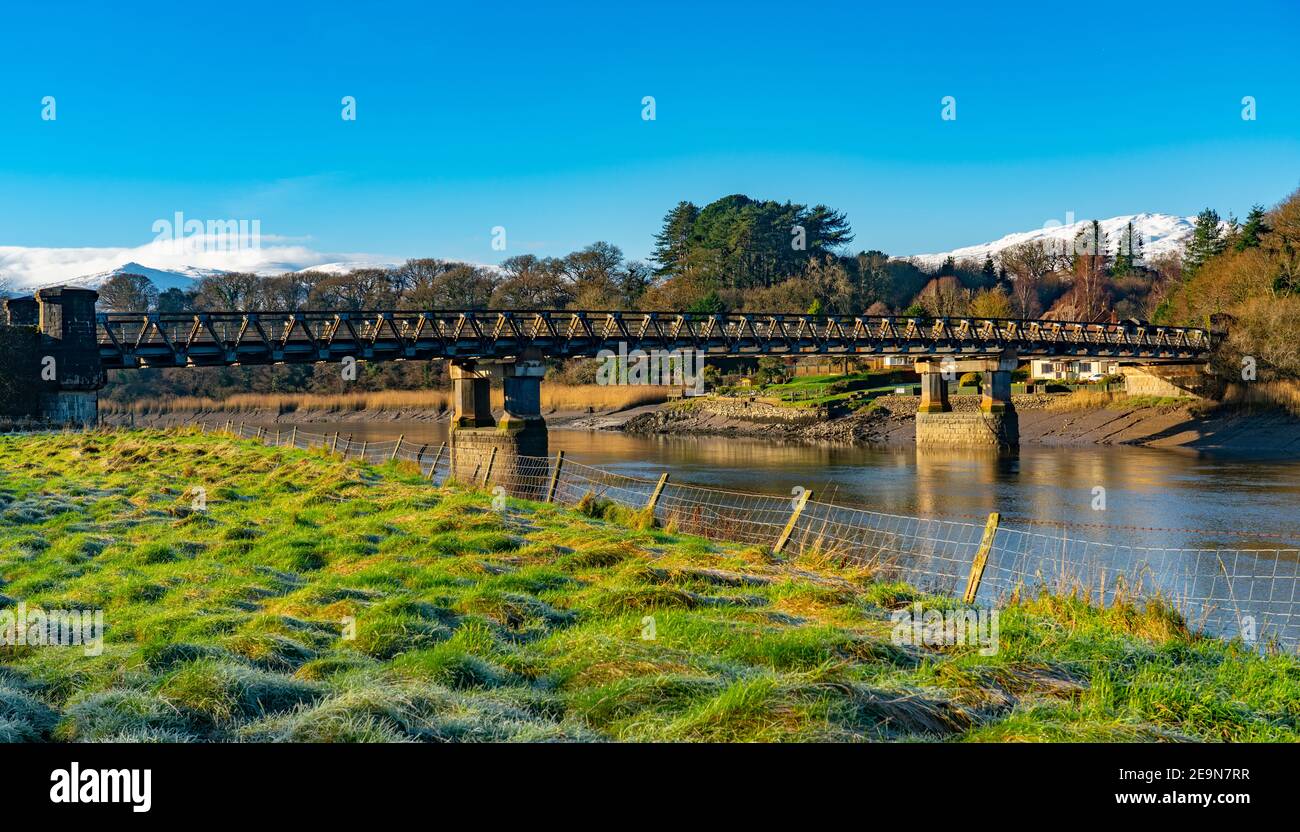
(747, 255)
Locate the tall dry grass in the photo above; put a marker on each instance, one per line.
(1281, 395)
(1083, 400)
(579, 397)
(555, 398)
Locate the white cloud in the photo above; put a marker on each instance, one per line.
(22, 267)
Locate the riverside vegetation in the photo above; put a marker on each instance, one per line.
(317, 599)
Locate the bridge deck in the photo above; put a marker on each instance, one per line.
(129, 339)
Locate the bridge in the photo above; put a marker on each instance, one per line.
(127, 340)
(82, 344)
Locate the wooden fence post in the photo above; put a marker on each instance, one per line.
(364, 443)
(555, 477)
(789, 524)
(334, 446)
(981, 559)
(436, 459)
(654, 496)
(293, 437)
(492, 459)
(397, 447)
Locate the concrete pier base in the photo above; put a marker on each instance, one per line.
(968, 430)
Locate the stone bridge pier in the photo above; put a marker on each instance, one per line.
(68, 373)
(517, 438)
(995, 425)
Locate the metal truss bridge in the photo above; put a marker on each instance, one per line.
(129, 340)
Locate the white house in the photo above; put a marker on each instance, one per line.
(1071, 369)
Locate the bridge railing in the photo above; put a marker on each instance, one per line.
(1226, 592)
(130, 339)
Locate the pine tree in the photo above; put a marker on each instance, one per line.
(1255, 227)
(990, 271)
(672, 243)
(1207, 241)
(710, 304)
(1128, 253)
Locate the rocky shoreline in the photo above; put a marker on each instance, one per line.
(891, 421)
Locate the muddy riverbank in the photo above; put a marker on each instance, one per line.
(1044, 420)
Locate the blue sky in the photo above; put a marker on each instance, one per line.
(528, 116)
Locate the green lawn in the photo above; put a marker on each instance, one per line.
(852, 390)
(317, 599)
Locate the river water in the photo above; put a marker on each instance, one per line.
(1151, 497)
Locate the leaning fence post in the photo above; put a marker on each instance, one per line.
(436, 459)
(654, 495)
(364, 443)
(555, 477)
(396, 447)
(487, 474)
(981, 559)
(334, 446)
(293, 437)
(789, 524)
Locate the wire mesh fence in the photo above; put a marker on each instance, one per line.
(1233, 593)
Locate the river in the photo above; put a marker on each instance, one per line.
(1152, 497)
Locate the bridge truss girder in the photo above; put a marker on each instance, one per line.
(131, 340)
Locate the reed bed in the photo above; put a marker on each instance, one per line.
(555, 397)
(1281, 395)
(1085, 400)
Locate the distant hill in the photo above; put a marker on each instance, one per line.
(1160, 233)
(183, 278)
(348, 266)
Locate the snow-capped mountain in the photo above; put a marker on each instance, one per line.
(1160, 233)
(184, 277)
(348, 266)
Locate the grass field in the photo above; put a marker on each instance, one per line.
(314, 599)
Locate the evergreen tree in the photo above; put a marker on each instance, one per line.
(673, 242)
(1207, 241)
(989, 270)
(710, 304)
(1255, 227)
(1128, 253)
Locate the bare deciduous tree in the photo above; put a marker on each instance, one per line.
(1027, 263)
(128, 293)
